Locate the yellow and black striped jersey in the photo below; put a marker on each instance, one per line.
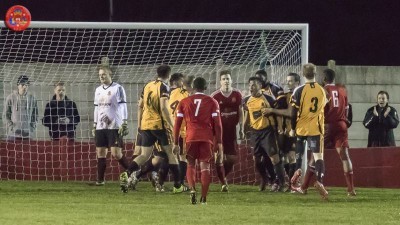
(255, 106)
(310, 100)
(177, 95)
(151, 95)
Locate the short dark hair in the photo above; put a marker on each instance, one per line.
(262, 73)
(258, 79)
(329, 75)
(200, 84)
(163, 71)
(296, 76)
(188, 81)
(23, 79)
(383, 93)
(175, 77)
(224, 72)
(264, 77)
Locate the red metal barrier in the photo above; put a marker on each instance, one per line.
(373, 167)
(76, 161)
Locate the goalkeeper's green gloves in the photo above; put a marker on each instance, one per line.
(94, 130)
(123, 129)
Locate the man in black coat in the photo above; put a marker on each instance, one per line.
(381, 120)
(61, 115)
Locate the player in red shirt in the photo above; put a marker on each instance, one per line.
(336, 124)
(202, 117)
(229, 100)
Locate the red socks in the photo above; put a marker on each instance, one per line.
(205, 182)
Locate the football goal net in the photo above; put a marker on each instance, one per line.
(70, 52)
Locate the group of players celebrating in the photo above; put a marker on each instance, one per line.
(179, 126)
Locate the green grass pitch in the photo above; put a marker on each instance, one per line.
(26, 202)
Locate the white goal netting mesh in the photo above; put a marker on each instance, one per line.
(51, 52)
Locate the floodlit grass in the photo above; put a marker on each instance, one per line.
(24, 202)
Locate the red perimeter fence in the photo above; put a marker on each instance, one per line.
(76, 161)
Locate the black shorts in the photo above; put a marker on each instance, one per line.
(108, 138)
(288, 143)
(149, 137)
(314, 143)
(265, 142)
(138, 141)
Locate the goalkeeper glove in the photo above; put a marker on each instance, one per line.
(94, 130)
(123, 130)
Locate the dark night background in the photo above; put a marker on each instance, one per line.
(352, 32)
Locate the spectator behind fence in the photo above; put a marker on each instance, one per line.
(20, 111)
(61, 115)
(380, 120)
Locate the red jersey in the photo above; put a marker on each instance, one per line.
(229, 108)
(338, 104)
(198, 111)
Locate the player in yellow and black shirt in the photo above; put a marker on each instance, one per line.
(155, 124)
(264, 130)
(273, 89)
(308, 103)
(286, 142)
(181, 86)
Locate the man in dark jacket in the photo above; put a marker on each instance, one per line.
(381, 120)
(61, 115)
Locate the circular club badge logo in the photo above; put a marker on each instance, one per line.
(18, 18)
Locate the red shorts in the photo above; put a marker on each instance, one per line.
(336, 135)
(201, 151)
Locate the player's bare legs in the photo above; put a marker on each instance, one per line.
(116, 152)
(141, 159)
(348, 169)
(136, 151)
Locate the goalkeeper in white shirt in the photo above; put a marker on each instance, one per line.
(110, 122)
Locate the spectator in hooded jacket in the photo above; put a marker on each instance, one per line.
(380, 120)
(61, 115)
(20, 111)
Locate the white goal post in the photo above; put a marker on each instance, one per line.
(49, 52)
